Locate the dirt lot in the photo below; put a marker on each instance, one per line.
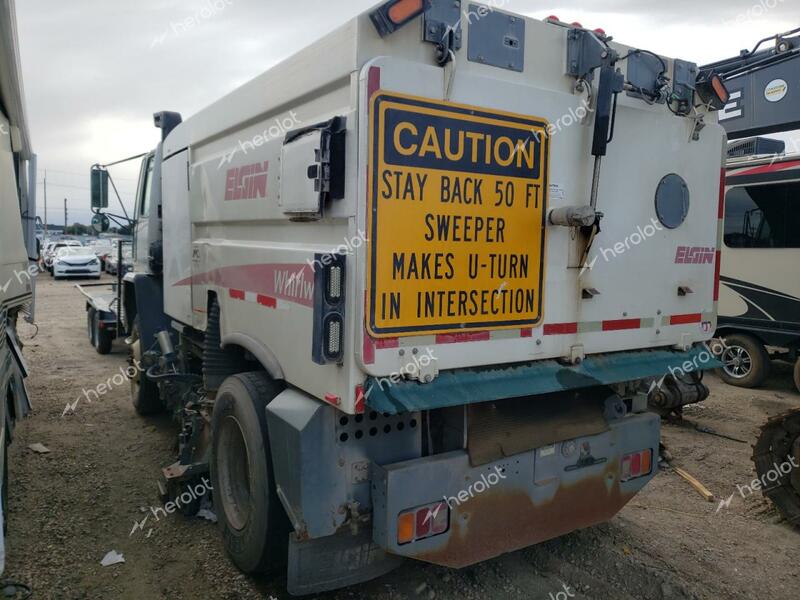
(70, 507)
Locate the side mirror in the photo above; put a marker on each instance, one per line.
(99, 185)
(100, 223)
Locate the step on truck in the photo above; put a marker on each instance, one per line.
(407, 290)
(18, 245)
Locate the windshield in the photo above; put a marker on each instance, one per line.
(127, 254)
(72, 251)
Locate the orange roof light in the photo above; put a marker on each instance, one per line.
(402, 11)
(720, 90)
(712, 90)
(392, 15)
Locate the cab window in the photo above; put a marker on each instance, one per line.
(148, 188)
(763, 216)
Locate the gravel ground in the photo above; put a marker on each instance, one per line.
(70, 507)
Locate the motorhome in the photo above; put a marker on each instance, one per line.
(759, 312)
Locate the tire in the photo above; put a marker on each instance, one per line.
(103, 340)
(90, 326)
(144, 393)
(254, 526)
(797, 374)
(4, 498)
(746, 361)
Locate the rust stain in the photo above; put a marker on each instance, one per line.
(500, 521)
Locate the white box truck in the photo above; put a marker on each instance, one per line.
(18, 246)
(403, 290)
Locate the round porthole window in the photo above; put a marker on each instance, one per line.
(672, 201)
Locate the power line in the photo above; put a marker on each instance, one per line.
(77, 187)
(81, 174)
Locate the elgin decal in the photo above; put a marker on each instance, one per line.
(247, 183)
(690, 255)
(457, 220)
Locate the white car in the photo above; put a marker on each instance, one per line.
(102, 249)
(51, 251)
(76, 261)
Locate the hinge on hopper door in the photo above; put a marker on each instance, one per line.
(442, 24)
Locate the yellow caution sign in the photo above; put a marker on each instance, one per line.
(458, 198)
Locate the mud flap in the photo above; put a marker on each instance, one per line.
(149, 309)
(336, 561)
(22, 403)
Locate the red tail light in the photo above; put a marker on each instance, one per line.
(638, 464)
(423, 522)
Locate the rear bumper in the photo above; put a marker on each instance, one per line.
(475, 386)
(542, 495)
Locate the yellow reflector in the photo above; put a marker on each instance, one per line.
(404, 10)
(405, 528)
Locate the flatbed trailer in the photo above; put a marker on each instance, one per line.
(104, 322)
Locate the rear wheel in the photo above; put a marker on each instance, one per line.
(144, 393)
(90, 325)
(745, 361)
(254, 525)
(103, 339)
(4, 499)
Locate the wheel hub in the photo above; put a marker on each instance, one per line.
(737, 362)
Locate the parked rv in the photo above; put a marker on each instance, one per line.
(759, 313)
(17, 246)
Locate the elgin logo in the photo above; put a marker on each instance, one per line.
(692, 255)
(247, 183)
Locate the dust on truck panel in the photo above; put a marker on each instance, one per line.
(469, 186)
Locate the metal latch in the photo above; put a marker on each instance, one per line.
(422, 364)
(586, 52)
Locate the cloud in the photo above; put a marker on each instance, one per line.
(94, 77)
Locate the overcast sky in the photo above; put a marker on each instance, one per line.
(96, 70)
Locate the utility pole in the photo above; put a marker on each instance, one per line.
(65, 216)
(45, 204)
